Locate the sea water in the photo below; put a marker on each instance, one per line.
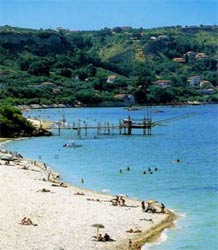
(189, 187)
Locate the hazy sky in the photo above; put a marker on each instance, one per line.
(97, 14)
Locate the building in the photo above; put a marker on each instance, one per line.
(200, 56)
(163, 83)
(206, 84)
(178, 59)
(111, 79)
(194, 80)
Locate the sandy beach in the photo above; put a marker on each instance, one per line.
(65, 214)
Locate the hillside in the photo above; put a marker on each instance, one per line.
(161, 65)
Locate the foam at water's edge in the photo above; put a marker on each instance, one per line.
(105, 190)
(163, 237)
(2, 143)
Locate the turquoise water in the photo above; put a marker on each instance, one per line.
(190, 187)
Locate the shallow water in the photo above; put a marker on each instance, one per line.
(189, 187)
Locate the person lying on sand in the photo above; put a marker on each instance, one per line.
(79, 193)
(59, 185)
(26, 167)
(89, 199)
(44, 190)
(27, 221)
(130, 230)
(133, 231)
(150, 220)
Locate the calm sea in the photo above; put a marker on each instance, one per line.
(189, 187)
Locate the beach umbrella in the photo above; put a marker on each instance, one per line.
(7, 157)
(98, 226)
(151, 201)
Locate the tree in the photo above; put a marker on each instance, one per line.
(39, 68)
(66, 72)
(13, 123)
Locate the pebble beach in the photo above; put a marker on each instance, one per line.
(64, 216)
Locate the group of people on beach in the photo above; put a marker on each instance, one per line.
(151, 209)
(118, 200)
(106, 237)
(135, 247)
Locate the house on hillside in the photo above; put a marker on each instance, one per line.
(162, 83)
(189, 56)
(111, 79)
(194, 80)
(206, 84)
(178, 59)
(200, 56)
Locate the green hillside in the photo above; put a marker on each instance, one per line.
(91, 67)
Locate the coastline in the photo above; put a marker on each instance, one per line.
(65, 218)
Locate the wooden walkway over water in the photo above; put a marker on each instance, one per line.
(125, 127)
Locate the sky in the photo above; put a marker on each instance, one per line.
(98, 14)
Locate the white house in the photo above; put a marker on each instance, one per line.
(194, 80)
(111, 79)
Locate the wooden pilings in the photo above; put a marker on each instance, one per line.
(125, 127)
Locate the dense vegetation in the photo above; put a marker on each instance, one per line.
(13, 124)
(70, 67)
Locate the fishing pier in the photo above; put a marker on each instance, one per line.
(126, 126)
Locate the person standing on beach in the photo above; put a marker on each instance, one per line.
(130, 245)
(143, 206)
(162, 208)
